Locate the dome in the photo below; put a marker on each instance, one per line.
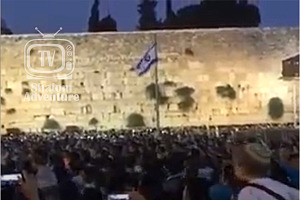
(108, 24)
(109, 20)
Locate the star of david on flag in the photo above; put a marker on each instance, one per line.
(149, 58)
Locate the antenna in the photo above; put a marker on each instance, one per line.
(36, 28)
(57, 32)
(48, 35)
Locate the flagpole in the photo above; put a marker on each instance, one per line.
(156, 88)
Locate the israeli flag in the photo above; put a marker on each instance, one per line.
(149, 58)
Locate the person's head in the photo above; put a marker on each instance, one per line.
(66, 159)
(89, 174)
(56, 160)
(227, 174)
(251, 161)
(194, 153)
(284, 153)
(293, 160)
(40, 156)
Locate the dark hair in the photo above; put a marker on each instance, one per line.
(90, 173)
(293, 156)
(195, 152)
(277, 173)
(228, 174)
(40, 156)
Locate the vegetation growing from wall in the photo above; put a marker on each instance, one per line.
(151, 94)
(276, 108)
(3, 102)
(135, 120)
(51, 124)
(187, 101)
(8, 91)
(14, 131)
(73, 128)
(11, 111)
(189, 52)
(186, 104)
(185, 91)
(25, 91)
(93, 122)
(169, 84)
(226, 91)
(25, 83)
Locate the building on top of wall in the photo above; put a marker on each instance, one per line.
(290, 67)
(105, 24)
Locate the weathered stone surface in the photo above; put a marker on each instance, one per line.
(248, 59)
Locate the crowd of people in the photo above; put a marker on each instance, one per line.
(249, 162)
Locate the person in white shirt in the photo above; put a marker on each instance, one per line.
(251, 164)
(46, 179)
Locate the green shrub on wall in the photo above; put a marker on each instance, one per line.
(51, 124)
(25, 83)
(186, 104)
(150, 91)
(3, 102)
(169, 84)
(163, 100)
(226, 91)
(25, 91)
(187, 101)
(135, 120)
(14, 131)
(8, 91)
(151, 94)
(185, 91)
(93, 122)
(11, 111)
(276, 108)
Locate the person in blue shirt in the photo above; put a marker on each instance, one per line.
(223, 190)
(291, 168)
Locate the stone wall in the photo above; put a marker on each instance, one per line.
(249, 60)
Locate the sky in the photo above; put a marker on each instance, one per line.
(22, 16)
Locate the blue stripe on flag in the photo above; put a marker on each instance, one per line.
(148, 59)
(148, 67)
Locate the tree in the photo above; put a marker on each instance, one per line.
(213, 14)
(105, 24)
(4, 29)
(217, 14)
(94, 18)
(148, 19)
(170, 21)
